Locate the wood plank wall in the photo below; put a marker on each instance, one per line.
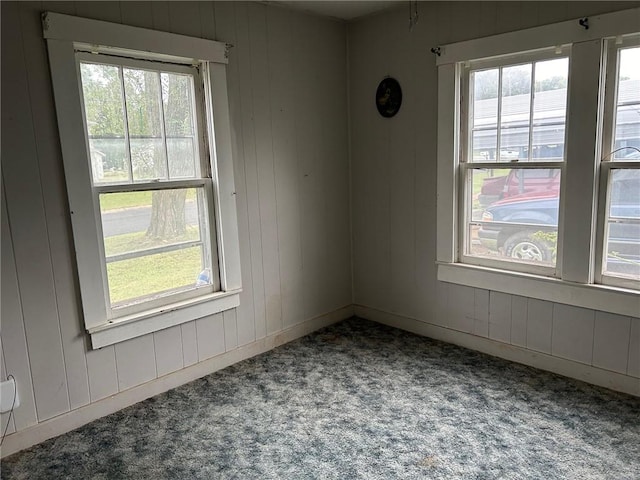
(394, 190)
(288, 103)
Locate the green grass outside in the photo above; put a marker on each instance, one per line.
(132, 242)
(136, 277)
(115, 201)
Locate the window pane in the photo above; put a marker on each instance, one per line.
(142, 91)
(628, 131)
(484, 145)
(182, 147)
(627, 126)
(514, 144)
(143, 229)
(152, 276)
(548, 143)
(485, 98)
(623, 225)
(550, 101)
(550, 109)
(484, 118)
(104, 114)
(514, 214)
(515, 98)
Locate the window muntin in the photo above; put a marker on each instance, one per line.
(510, 173)
(619, 262)
(144, 130)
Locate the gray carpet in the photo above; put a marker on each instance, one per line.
(357, 400)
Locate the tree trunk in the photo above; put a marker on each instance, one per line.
(167, 214)
(167, 206)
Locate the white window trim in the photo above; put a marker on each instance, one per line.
(575, 287)
(65, 34)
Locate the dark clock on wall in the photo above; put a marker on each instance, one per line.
(388, 97)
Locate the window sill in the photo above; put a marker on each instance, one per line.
(167, 316)
(597, 297)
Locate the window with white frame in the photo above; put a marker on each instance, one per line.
(149, 178)
(539, 163)
(512, 157)
(619, 239)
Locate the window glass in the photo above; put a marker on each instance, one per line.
(154, 241)
(142, 127)
(104, 116)
(505, 126)
(514, 214)
(627, 120)
(518, 116)
(515, 100)
(621, 245)
(623, 224)
(182, 145)
(484, 120)
(550, 109)
(144, 116)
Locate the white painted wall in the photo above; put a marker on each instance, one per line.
(394, 202)
(288, 100)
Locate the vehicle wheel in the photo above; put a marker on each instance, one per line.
(522, 246)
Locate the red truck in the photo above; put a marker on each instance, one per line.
(520, 181)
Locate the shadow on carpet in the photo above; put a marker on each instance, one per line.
(357, 400)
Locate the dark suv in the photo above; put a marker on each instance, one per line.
(524, 226)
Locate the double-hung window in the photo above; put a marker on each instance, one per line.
(145, 135)
(539, 163)
(619, 213)
(512, 155)
(150, 177)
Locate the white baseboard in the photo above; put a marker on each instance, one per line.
(568, 368)
(76, 418)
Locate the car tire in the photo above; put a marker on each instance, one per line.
(525, 247)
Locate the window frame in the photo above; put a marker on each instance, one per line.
(66, 35)
(575, 284)
(466, 167)
(608, 164)
(202, 180)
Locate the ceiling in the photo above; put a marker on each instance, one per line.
(344, 10)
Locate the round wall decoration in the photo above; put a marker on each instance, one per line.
(388, 97)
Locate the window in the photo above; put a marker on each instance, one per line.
(539, 163)
(149, 178)
(514, 117)
(620, 197)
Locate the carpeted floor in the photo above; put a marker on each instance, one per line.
(357, 400)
